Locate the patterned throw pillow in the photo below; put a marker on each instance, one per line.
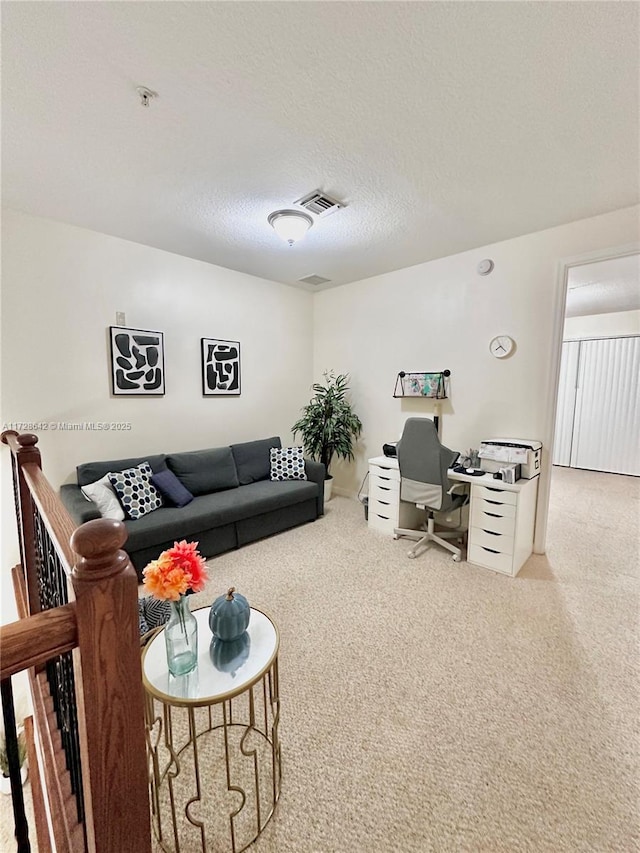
(287, 463)
(135, 490)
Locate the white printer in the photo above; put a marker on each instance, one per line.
(496, 452)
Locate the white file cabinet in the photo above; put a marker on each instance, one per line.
(386, 510)
(501, 522)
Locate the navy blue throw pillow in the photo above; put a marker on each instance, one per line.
(171, 489)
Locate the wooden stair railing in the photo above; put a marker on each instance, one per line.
(77, 634)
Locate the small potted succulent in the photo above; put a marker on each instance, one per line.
(5, 782)
(329, 427)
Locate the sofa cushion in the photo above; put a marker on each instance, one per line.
(205, 471)
(135, 491)
(206, 512)
(102, 494)
(171, 489)
(252, 459)
(89, 472)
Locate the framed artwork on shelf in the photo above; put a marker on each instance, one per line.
(137, 362)
(430, 385)
(220, 367)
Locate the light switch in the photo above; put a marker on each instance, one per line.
(120, 321)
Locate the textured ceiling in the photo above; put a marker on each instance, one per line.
(443, 126)
(604, 287)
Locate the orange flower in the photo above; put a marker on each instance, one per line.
(175, 571)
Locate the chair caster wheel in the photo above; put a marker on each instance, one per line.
(410, 555)
(395, 536)
(457, 558)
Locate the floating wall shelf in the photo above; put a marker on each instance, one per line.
(429, 385)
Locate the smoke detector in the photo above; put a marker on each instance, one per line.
(319, 203)
(146, 95)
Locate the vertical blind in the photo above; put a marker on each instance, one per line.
(598, 419)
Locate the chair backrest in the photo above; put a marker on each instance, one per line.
(423, 462)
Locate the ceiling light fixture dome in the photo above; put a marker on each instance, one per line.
(291, 225)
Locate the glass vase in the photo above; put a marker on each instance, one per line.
(181, 637)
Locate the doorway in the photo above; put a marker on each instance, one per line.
(598, 406)
(565, 268)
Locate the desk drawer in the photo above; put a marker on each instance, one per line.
(492, 507)
(490, 560)
(494, 541)
(493, 518)
(386, 504)
(382, 520)
(496, 495)
(379, 472)
(384, 490)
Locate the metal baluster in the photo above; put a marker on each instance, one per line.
(13, 759)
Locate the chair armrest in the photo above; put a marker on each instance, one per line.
(315, 472)
(80, 509)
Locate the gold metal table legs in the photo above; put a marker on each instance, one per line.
(214, 771)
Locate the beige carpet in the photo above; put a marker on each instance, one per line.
(435, 706)
(429, 705)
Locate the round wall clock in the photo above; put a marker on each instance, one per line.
(501, 346)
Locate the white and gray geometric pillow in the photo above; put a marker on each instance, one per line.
(287, 463)
(135, 491)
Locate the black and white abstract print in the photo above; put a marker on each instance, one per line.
(137, 361)
(220, 367)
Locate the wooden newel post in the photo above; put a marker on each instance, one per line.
(24, 451)
(111, 697)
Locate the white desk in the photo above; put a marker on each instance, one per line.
(501, 516)
(501, 521)
(386, 510)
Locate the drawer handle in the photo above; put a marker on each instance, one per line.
(384, 503)
(386, 478)
(492, 532)
(385, 517)
(492, 514)
(495, 503)
(490, 550)
(490, 489)
(384, 488)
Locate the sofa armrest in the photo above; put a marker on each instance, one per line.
(80, 509)
(316, 474)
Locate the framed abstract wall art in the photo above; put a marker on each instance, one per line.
(220, 367)
(137, 361)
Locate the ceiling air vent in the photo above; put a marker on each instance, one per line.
(319, 203)
(314, 279)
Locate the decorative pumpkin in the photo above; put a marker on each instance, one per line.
(229, 616)
(230, 655)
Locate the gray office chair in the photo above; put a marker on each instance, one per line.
(423, 462)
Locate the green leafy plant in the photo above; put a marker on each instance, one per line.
(328, 425)
(22, 752)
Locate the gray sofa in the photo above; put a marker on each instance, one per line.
(235, 502)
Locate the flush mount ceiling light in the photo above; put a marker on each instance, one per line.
(291, 225)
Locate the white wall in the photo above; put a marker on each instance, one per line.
(608, 325)
(61, 289)
(442, 314)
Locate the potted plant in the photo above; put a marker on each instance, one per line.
(5, 782)
(328, 425)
